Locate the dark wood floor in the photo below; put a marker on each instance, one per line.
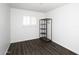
(37, 47)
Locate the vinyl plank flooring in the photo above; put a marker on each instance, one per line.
(37, 47)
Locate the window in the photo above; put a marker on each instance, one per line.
(33, 20)
(26, 20)
(29, 20)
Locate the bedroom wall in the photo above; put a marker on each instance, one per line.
(19, 32)
(65, 26)
(4, 28)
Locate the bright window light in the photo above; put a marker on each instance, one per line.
(26, 20)
(29, 20)
(33, 20)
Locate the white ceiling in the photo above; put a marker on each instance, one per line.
(41, 7)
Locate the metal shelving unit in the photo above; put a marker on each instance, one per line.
(43, 29)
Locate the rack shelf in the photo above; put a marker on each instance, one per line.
(43, 29)
(43, 33)
(43, 24)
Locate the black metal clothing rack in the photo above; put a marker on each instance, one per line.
(43, 29)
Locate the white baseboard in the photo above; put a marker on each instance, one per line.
(24, 40)
(64, 46)
(6, 49)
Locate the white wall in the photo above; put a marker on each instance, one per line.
(66, 26)
(49, 29)
(20, 32)
(4, 28)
